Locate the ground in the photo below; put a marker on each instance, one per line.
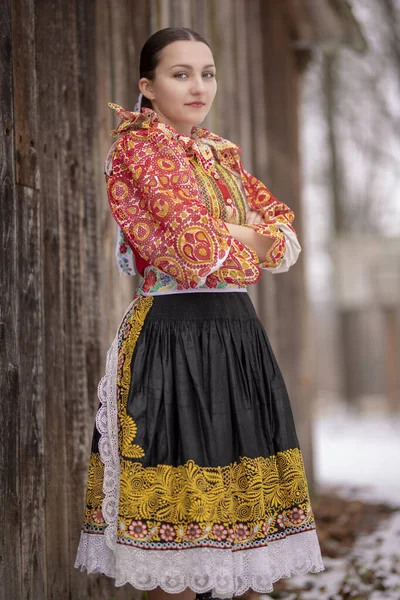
(357, 508)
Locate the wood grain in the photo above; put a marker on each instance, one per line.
(10, 540)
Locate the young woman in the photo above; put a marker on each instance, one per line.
(196, 480)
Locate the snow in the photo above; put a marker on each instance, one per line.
(354, 449)
(359, 453)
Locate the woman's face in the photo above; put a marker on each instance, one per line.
(184, 76)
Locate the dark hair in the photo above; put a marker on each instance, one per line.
(150, 54)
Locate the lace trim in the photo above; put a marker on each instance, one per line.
(107, 425)
(202, 569)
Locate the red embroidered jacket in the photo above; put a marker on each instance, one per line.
(155, 198)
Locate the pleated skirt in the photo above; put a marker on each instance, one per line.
(196, 478)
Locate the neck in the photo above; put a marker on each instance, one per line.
(183, 128)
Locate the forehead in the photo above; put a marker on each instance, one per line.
(189, 52)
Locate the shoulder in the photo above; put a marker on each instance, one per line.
(135, 132)
(131, 121)
(133, 151)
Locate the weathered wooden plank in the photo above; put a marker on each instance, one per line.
(180, 15)
(140, 20)
(116, 82)
(30, 309)
(256, 104)
(263, 294)
(164, 14)
(50, 65)
(71, 159)
(153, 7)
(24, 95)
(123, 76)
(86, 14)
(32, 413)
(199, 14)
(10, 540)
(115, 28)
(242, 101)
(226, 50)
(105, 79)
(79, 406)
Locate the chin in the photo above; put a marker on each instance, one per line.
(197, 115)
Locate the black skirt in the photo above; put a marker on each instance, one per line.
(205, 384)
(196, 478)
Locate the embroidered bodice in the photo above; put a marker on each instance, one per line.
(172, 194)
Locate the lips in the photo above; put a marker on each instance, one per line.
(197, 104)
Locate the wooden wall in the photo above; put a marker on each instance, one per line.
(61, 296)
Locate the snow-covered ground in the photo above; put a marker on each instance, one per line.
(361, 454)
(358, 450)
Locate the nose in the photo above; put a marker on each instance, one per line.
(198, 85)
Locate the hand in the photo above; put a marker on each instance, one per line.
(260, 243)
(253, 217)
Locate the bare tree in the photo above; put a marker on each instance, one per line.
(352, 173)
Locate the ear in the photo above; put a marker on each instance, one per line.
(145, 86)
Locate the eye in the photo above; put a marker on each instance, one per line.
(210, 75)
(178, 75)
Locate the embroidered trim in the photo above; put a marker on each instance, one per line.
(93, 520)
(128, 336)
(229, 506)
(292, 251)
(245, 504)
(107, 426)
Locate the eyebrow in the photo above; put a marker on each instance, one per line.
(190, 67)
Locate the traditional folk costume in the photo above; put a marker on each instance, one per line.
(196, 478)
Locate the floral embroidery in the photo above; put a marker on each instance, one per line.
(275, 213)
(266, 526)
(94, 489)
(242, 531)
(167, 532)
(155, 281)
(297, 515)
(128, 336)
(161, 180)
(281, 520)
(193, 531)
(97, 516)
(162, 218)
(214, 503)
(93, 517)
(159, 499)
(219, 532)
(137, 529)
